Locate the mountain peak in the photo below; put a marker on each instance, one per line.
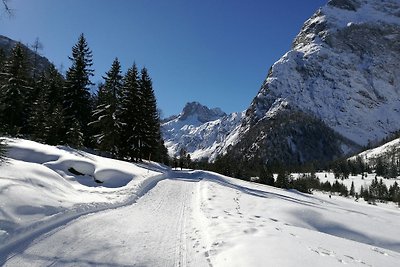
(201, 112)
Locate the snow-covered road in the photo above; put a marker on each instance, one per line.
(157, 230)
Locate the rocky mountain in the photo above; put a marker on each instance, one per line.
(337, 89)
(201, 131)
(7, 44)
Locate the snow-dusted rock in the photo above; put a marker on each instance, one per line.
(343, 69)
(203, 132)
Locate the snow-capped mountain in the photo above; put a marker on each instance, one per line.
(201, 131)
(342, 74)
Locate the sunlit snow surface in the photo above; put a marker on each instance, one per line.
(149, 215)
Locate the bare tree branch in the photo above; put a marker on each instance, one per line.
(7, 7)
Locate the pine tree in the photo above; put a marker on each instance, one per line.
(77, 106)
(182, 158)
(394, 192)
(105, 116)
(74, 133)
(3, 149)
(15, 90)
(267, 177)
(39, 112)
(282, 181)
(130, 115)
(150, 137)
(46, 120)
(352, 190)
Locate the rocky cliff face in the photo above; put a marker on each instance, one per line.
(343, 68)
(342, 71)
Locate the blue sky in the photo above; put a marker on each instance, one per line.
(216, 52)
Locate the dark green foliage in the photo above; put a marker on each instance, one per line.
(105, 119)
(150, 135)
(40, 104)
(394, 192)
(341, 169)
(352, 190)
(3, 150)
(282, 180)
(292, 138)
(129, 115)
(266, 177)
(340, 188)
(15, 92)
(46, 119)
(77, 106)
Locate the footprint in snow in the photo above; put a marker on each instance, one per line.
(380, 251)
(250, 231)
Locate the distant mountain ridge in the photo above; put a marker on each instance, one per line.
(8, 44)
(201, 131)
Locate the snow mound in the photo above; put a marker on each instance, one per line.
(41, 183)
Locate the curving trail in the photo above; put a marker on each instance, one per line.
(157, 230)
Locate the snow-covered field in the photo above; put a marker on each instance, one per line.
(150, 215)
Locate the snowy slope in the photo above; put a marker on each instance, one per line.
(392, 147)
(37, 188)
(180, 218)
(342, 69)
(203, 132)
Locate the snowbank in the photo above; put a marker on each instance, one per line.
(42, 186)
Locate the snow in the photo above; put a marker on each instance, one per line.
(369, 11)
(379, 151)
(162, 217)
(37, 187)
(342, 69)
(203, 133)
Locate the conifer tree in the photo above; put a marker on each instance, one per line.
(352, 190)
(2, 150)
(47, 116)
(39, 112)
(266, 177)
(15, 90)
(150, 138)
(105, 116)
(77, 106)
(282, 180)
(129, 115)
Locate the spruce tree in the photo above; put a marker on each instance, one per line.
(150, 137)
(282, 180)
(47, 118)
(267, 177)
(77, 106)
(106, 121)
(15, 90)
(3, 148)
(39, 112)
(352, 190)
(130, 115)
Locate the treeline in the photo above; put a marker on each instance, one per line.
(379, 191)
(120, 119)
(386, 165)
(305, 182)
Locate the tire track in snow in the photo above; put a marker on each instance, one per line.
(152, 232)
